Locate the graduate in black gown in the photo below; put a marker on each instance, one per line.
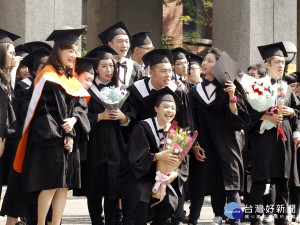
(219, 114)
(180, 67)
(274, 160)
(49, 140)
(14, 205)
(118, 38)
(144, 150)
(159, 61)
(105, 143)
(140, 45)
(194, 71)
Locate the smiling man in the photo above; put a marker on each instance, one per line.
(272, 155)
(118, 38)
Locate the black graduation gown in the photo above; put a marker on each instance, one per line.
(272, 158)
(220, 137)
(103, 152)
(8, 129)
(138, 110)
(139, 177)
(47, 165)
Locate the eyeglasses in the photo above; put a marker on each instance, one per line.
(182, 63)
(148, 49)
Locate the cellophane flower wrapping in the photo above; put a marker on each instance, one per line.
(180, 141)
(113, 97)
(261, 96)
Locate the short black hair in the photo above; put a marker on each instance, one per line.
(260, 69)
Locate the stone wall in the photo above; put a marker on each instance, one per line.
(34, 20)
(240, 26)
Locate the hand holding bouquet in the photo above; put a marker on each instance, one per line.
(113, 97)
(178, 142)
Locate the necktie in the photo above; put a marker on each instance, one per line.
(273, 81)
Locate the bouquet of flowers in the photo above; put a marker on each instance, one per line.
(113, 97)
(180, 142)
(261, 96)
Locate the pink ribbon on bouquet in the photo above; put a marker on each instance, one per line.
(160, 179)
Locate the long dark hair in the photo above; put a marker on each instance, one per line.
(55, 61)
(115, 77)
(4, 72)
(223, 97)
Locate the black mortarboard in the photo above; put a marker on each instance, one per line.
(179, 53)
(276, 49)
(157, 56)
(102, 52)
(35, 58)
(65, 36)
(7, 37)
(164, 94)
(31, 46)
(85, 65)
(21, 50)
(118, 28)
(140, 38)
(225, 69)
(195, 59)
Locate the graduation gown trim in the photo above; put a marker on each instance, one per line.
(25, 83)
(141, 86)
(72, 87)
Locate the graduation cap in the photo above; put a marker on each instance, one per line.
(157, 56)
(164, 94)
(116, 29)
(140, 38)
(225, 69)
(276, 49)
(31, 46)
(195, 59)
(85, 65)
(21, 50)
(102, 52)
(179, 53)
(65, 36)
(35, 58)
(7, 37)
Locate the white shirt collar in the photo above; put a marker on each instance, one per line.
(150, 85)
(97, 81)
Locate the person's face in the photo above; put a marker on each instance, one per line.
(23, 72)
(10, 56)
(86, 79)
(120, 43)
(276, 67)
(161, 75)
(208, 63)
(105, 70)
(195, 72)
(143, 49)
(166, 111)
(181, 67)
(253, 73)
(295, 88)
(67, 56)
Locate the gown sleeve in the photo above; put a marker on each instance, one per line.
(139, 155)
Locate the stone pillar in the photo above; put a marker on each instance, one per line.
(240, 26)
(138, 16)
(34, 20)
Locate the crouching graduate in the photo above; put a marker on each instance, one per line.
(144, 150)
